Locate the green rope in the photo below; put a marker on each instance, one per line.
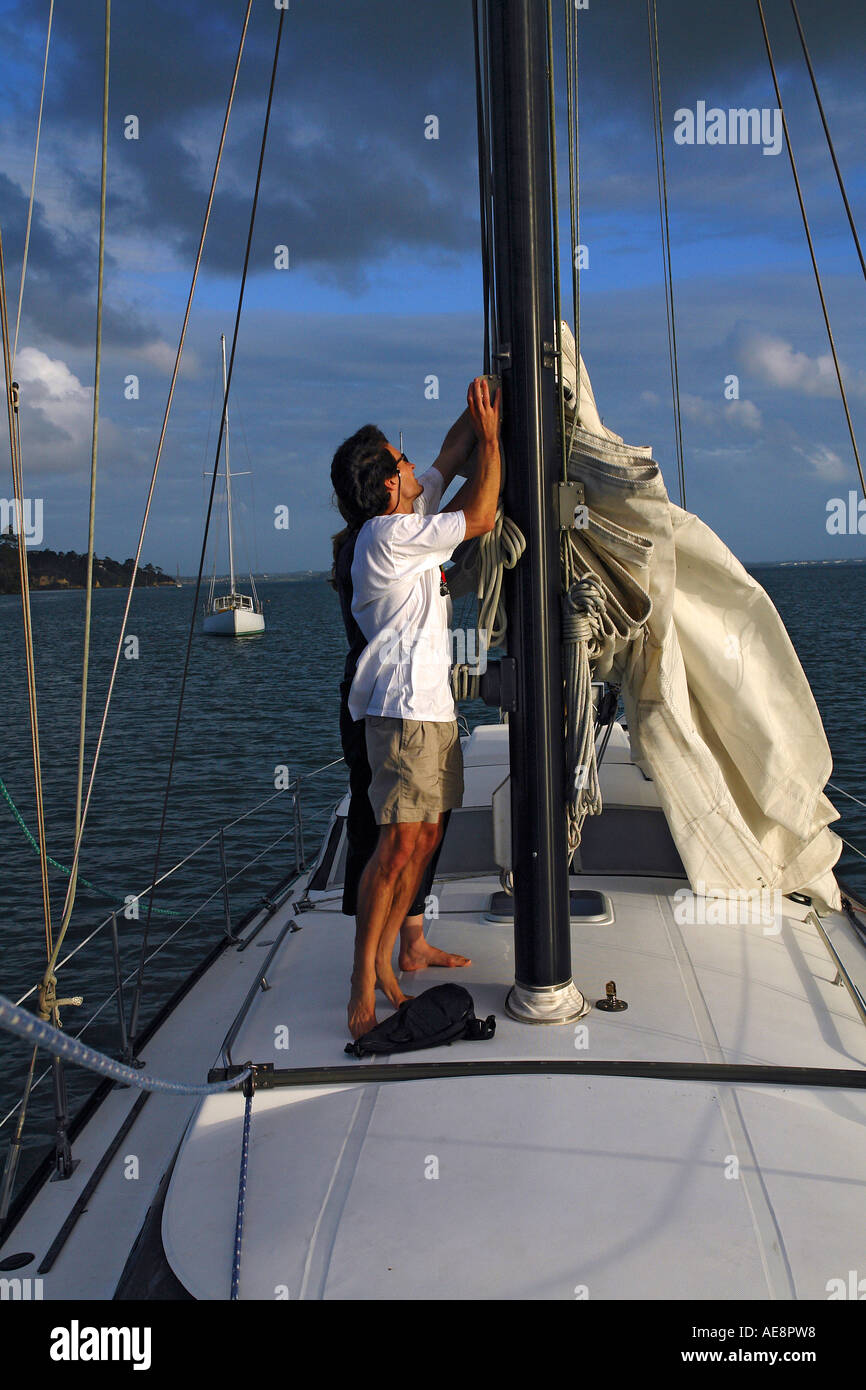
(109, 897)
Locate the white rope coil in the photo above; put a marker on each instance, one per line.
(583, 613)
(480, 566)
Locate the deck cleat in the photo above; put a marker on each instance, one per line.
(610, 1004)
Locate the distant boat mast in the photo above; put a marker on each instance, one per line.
(228, 470)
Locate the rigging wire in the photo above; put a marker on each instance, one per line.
(94, 450)
(48, 1007)
(30, 664)
(32, 185)
(52, 948)
(14, 1151)
(811, 243)
(662, 178)
(842, 792)
(830, 145)
(172, 385)
(192, 627)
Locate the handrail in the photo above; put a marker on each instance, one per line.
(843, 975)
(290, 788)
(258, 983)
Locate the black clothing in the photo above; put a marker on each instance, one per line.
(362, 831)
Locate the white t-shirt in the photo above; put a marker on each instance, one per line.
(404, 670)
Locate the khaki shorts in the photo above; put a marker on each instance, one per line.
(417, 767)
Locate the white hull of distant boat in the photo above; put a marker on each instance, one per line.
(234, 622)
(234, 614)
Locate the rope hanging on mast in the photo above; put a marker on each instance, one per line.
(557, 281)
(573, 106)
(811, 244)
(480, 563)
(482, 110)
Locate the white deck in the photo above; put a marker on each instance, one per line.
(546, 1185)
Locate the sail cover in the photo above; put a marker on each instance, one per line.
(719, 710)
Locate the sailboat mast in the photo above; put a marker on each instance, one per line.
(544, 991)
(228, 471)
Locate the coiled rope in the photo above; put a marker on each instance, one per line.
(583, 609)
(481, 566)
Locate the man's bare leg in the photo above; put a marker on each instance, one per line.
(394, 851)
(405, 892)
(416, 953)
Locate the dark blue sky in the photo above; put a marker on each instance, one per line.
(384, 287)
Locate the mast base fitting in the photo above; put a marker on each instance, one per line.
(546, 1003)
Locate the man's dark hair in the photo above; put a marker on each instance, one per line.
(358, 472)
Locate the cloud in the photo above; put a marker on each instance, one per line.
(743, 415)
(50, 388)
(776, 362)
(161, 355)
(826, 463)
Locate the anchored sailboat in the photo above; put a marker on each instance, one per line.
(233, 614)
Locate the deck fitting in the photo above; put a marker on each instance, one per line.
(610, 1004)
(546, 1003)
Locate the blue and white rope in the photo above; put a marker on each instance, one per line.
(32, 1029)
(242, 1198)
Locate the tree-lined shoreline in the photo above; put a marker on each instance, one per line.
(55, 569)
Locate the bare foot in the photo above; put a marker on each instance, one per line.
(421, 955)
(362, 1013)
(388, 983)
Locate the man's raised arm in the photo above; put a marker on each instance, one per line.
(457, 447)
(478, 498)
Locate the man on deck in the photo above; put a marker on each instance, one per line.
(401, 687)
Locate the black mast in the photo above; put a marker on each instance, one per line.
(544, 991)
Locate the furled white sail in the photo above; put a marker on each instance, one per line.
(719, 710)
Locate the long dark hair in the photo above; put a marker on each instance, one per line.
(358, 472)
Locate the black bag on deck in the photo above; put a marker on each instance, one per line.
(443, 1014)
